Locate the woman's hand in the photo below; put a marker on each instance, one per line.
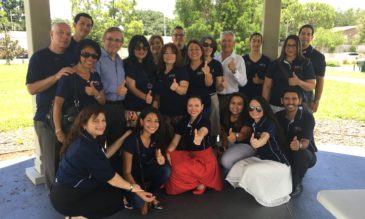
(146, 196)
(149, 97)
(159, 157)
(231, 136)
(61, 137)
(174, 85)
(197, 138)
(91, 90)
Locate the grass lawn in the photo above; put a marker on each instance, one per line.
(340, 100)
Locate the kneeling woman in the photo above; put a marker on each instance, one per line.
(85, 183)
(266, 177)
(143, 160)
(193, 164)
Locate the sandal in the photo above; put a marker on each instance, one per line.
(157, 205)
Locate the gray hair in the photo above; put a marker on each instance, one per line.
(227, 32)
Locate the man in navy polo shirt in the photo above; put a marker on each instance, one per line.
(298, 124)
(46, 67)
(178, 38)
(306, 33)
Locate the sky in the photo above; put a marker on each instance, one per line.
(62, 9)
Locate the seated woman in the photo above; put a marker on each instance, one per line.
(143, 160)
(266, 177)
(83, 88)
(193, 164)
(85, 183)
(236, 131)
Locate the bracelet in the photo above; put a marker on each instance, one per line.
(236, 135)
(131, 188)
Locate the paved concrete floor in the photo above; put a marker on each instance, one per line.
(20, 199)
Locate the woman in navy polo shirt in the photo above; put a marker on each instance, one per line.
(201, 78)
(171, 87)
(85, 83)
(193, 163)
(290, 69)
(256, 67)
(143, 159)
(140, 74)
(86, 184)
(266, 177)
(236, 131)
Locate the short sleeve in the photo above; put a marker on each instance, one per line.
(64, 86)
(130, 144)
(181, 125)
(272, 68)
(182, 75)
(308, 127)
(308, 73)
(34, 73)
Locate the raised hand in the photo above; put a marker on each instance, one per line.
(197, 138)
(91, 90)
(295, 144)
(231, 136)
(149, 97)
(174, 85)
(122, 89)
(254, 141)
(294, 80)
(256, 79)
(206, 69)
(232, 66)
(159, 157)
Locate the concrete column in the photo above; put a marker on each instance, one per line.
(38, 24)
(271, 27)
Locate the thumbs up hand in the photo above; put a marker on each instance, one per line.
(122, 89)
(254, 141)
(91, 90)
(295, 144)
(206, 69)
(174, 85)
(197, 138)
(149, 97)
(294, 80)
(231, 136)
(159, 157)
(232, 66)
(256, 79)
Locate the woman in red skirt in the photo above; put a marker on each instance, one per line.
(193, 163)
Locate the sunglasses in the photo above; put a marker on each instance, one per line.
(208, 45)
(88, 55)
(257, 108)
(141, 48)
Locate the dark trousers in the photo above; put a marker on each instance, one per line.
(155, 176)
(50, 151)
(115, 121)
(301, 161)
(102, 201)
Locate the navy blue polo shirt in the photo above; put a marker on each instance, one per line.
(271, 150)
(186, 130)
(70, 52)
(42, 64)
(216, 70)
(144, 79)
(171, 103)
(318, 62)
(236, 126)
(302, 126)
(197, 85)
(66, 89)
(260, 68)
(147, 155)
(84, 165)
(302, 68)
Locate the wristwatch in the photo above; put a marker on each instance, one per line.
(236, 134)
(131, 188)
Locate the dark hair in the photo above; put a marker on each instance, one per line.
(112, 29)
(214, 43)
(255, 34)
(291, 89)
(299, 54)
(197, 97)
(175, 50)
(153, 37)
(159, 135)
(87, 43)
(226, 113)
(79, 15)
(200, 46)
(77, 128)
(178, 27)
(269, 114)
(306, 26)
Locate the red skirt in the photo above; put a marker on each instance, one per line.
(189, 169)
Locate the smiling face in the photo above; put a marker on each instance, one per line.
(236, 105)
(60, 36)
(306, 37)
(291, 101)
(194, 107)
(227, 43)
(256, 43)
(140, 51)
(169, 57)
(113, 41)
(291, 49)
(255, 110)
(194, 52)
(178, 37)
(208, 47)
(150, 123)
(88, 57)
(156, 46)
(96, 125)
(83, 27)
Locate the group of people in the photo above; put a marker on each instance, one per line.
(172, 116)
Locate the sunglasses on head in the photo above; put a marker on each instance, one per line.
(257, 108)
(208, 45)
(88, 55)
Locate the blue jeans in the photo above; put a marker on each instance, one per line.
(155, 175)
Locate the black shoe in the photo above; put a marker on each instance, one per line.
(297, 191)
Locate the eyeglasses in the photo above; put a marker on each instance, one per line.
(88, 55)
(206, 45)
(114, 40)
(257, 108)
(141, 48)
(178, 34)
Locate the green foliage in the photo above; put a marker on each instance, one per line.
(361, 27)
(9, 49)
(333, 63)
(153, 22)
(327, 39)
(14, 13)
(347, 18)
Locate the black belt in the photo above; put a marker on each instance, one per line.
(118, 102)
(222, 95)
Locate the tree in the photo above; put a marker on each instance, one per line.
(15, 14)
(361, 27)
(153, 22)
(9, 49)
(347, 18)
(327, 39)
